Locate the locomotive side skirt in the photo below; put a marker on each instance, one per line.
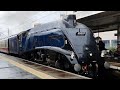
(59, 50)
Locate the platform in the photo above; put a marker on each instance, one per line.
(16, 68)
(9, 71)
(115, 65)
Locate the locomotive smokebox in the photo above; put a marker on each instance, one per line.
(71, 19)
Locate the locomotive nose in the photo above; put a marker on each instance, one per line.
(71, 19)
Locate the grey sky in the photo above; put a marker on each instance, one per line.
(17, 21)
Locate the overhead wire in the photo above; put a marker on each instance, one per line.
(29, 20)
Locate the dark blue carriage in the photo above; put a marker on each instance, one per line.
(13, 45)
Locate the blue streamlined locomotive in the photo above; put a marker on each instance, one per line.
(66, 44)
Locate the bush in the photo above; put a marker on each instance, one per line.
(113, 49)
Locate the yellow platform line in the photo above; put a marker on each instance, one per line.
(28, 69)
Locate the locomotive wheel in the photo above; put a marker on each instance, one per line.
(59, 65)
(22, 56)
(48, 61)
(43, 57)
(32, 57)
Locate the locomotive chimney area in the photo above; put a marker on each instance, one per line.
(71, 19)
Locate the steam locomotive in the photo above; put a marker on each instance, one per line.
(65, 44)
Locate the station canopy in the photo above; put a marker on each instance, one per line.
(101, 22)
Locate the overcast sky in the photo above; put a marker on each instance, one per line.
(17, 21)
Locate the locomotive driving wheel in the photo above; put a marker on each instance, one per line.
(62, 63)
(59, 65)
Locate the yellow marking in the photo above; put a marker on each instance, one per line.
(30, 70)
